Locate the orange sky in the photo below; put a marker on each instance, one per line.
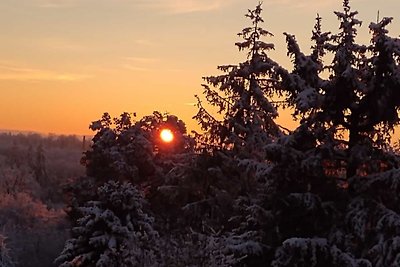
(65, 62)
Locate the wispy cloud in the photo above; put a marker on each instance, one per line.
(139, 63)
(187, 6)
(135, 68)
(165, 6)
(17, 73)
(141, 59)
(302, 3)
(144, 42)
(61, 44)
(57, 3)
(74, 3)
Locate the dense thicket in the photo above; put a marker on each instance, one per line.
(247, 192)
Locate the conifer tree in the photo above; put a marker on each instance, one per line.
(303, 85)
(114, 230)
(381, 101)
(358, 98)
(127, 150)
(238, 137)
(241, 94)
(361, 212)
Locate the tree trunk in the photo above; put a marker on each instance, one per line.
(352, 162)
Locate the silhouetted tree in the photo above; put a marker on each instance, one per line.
(124, 149)
(316, 159)
(39, 166)
(241, 95)
(311, 180)
(357, 98)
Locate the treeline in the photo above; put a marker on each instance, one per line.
(33, 172)
(47, 141)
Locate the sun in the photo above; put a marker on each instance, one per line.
(166, 135)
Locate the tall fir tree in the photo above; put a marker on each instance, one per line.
(358, 99)
(241, 95)
(359, 225)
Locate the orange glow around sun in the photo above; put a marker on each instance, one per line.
(166, 135)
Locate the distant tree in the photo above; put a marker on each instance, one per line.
(35, 233)
(14, 157)
(39, 165)
(33, 222)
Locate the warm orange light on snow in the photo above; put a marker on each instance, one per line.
(166, 135)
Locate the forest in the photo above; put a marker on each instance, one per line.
(243, 191)
(33, 171)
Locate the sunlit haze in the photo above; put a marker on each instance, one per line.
(65, 62)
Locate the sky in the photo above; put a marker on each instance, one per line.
(63, 63)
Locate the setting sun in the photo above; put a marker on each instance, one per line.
(167, 135)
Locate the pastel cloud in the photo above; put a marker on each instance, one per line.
(187, 6)
(57, 3)
(16, 73)
(303, 3)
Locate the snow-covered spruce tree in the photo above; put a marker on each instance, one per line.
(303, 85)
(381, 102)
(242, 98)
(345, 102)
(354, 84)
(277, 204)
(315, 252)
(130, 150)
(298, 192)
(191, 248)
(361, 203)
(193, 209)
(240, 95)
(328, 105)
(199, 194)
(119, 150)
(114, 230)
(373, 212)
(373, 218)
(124, 149)
(306, 162)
